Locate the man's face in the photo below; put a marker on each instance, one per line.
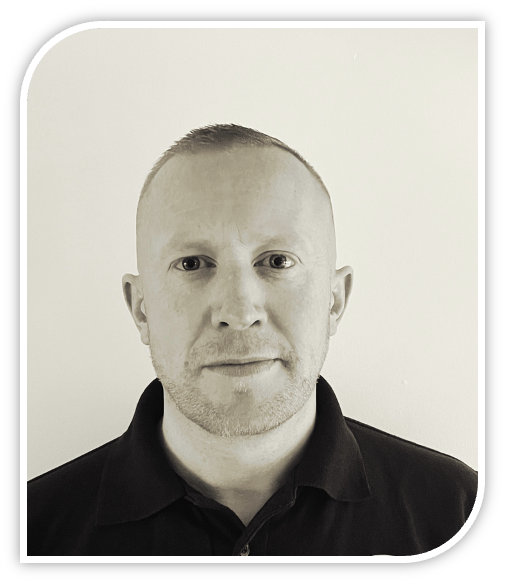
(236, 257)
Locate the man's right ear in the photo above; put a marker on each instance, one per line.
(134, 297)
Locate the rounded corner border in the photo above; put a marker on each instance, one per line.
(462, 532)
(47, 46)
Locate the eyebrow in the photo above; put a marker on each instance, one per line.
(274, 242)
(206, 244)
(174, 245)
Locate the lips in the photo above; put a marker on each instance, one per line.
(241, 366)
(239, 361)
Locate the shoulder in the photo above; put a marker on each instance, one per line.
(65, 495)
(421, 474)
(71, 473)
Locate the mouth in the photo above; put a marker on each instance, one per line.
(241, 367)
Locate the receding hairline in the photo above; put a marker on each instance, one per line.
(223, 137)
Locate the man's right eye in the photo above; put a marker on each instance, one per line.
(192, 263)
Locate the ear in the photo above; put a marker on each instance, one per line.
(134, 297)
(341, 286)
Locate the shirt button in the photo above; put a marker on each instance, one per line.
(245, 551)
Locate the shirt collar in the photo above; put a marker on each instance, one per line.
(138, 480)
(332, 460)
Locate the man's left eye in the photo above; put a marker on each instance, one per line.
(277, 261)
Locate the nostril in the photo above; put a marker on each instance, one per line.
(240, 320)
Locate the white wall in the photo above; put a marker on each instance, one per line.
(387, 117)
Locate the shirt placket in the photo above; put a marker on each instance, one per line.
(254, 539)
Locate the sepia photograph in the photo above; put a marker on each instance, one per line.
(252, 291)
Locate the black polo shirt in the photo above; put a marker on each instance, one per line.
(357, 491)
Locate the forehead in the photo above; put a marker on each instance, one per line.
(245, 192)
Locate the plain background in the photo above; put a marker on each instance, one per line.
(388, 117)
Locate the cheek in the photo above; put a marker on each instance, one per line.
(301, 312)
(174, 319)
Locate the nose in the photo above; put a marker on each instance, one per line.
(239, 299)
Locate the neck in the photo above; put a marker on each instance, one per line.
(239, 472)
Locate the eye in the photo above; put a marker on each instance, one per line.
(192, 263)
(277, 261)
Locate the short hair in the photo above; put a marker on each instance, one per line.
(223, 137)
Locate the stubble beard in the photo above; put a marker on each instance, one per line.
(219, 420)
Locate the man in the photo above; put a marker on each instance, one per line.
(239, 447)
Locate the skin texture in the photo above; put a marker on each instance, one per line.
(236, 211)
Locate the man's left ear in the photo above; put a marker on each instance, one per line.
(341, 286)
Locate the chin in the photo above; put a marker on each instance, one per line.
(240, 410)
